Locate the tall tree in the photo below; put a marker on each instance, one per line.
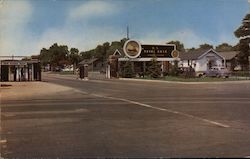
(56, 55)
(178, 44)
(74, 57)
(243, 33)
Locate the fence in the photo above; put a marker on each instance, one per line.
(241, 75)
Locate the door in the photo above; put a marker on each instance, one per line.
(4, 73)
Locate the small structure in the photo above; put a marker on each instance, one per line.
(16, 69)
(201, 60)
(94, 64)
(83, 70)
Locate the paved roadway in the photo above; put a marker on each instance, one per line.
(115, 118)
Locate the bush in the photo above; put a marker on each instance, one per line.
(154, 69)
(127, 70)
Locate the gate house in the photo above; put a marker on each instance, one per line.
(20, 70)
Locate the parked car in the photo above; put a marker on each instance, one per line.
(218, 71)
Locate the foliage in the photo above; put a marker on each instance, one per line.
(56, 55)
(174, 70)
(154, 69)
(127, 70)
(74, 56)
(243, 33)
(103, 51)
(224, 47)
(206, 46)
(59, 55)
(179, 45)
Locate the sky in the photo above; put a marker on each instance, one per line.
(27, 26)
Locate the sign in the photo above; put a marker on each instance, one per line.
(157, 51)
(133, 49)
(14, 63)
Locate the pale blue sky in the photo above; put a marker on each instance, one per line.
(28, 25)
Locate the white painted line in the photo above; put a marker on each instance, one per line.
(164, 109)
(11, 114)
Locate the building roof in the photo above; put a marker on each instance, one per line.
(88, 61)
(192, 54)
(119, 51)
(228, 55)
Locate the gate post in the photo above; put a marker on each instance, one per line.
(85, 75)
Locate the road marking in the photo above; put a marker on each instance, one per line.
(164, 109)
(11, 114)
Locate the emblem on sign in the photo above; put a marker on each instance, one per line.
(132, 48)
(175, 54)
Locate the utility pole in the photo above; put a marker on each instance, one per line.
(127, 32)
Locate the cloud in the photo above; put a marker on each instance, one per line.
(92, 9)
(84, 39)
(17, 39)
(84, 36)
(227, 38)
(186, 36)
(15, 16)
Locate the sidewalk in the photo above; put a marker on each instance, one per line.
(24, 90)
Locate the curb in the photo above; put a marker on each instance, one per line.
(179, 82)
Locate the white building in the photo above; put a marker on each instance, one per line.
(201, 60)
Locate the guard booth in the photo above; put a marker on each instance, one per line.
(83, 71)
(113, 67)
(20, 70)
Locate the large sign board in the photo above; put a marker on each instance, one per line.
(134, 49)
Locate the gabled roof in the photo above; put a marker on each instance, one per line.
(228, 55)
(196, 54)
(119, 52)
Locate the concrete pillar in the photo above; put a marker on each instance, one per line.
(108, 71)
(133, 67)
(10, 74)
(144, 67)
(86, 72)
(32, 72)
(162, 68)
(26, 73)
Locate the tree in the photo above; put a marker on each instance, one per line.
(74, 57)
(224, 47)
(127, 70)
(178, 44)
(154, 69)
(205, 46)
(45, 56)
(243, 33)
(56, 55)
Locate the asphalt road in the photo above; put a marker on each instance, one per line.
(116, 118)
